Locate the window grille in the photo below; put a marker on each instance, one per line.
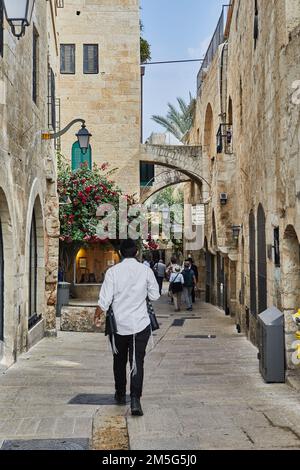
(67, 58)
(90, 59)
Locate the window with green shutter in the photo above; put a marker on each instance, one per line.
(146, 174)
(78, 157)
(67, 58)
(90, 58)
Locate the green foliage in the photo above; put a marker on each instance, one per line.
(80, 194)
(178, 122)
(145, 47)
(168, 196)
(145, 51)
(171, 196)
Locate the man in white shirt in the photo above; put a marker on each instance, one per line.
(126, 287)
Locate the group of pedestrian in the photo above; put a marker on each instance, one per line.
(183, 282)
(159, 268)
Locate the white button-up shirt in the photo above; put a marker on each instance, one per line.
(126, 286)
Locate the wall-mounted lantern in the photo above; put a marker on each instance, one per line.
(236, 232)
(18, 14)
(83, 135)
(223, 199)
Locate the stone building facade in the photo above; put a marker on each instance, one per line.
(28, 197)
(100, 81)
(248, 123)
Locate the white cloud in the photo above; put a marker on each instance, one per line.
(199, 52)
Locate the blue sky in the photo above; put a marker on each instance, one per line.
(176, 29)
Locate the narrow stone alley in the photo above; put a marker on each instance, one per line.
(202, 390)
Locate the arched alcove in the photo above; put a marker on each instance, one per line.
(252, 263)
(36, 265)
(290, 283)
(7, 284)
(261, 260)
(209, 134)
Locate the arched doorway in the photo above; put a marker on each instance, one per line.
(261, 260)
(36, 265)
(252, 263)
(32, 298)
(7, 319)
(2, 280)
(290, 282)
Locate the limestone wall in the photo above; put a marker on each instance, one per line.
(27, 180)
(264, 166)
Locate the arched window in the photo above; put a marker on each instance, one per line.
(32, 311)
(252, 263)
(208, 132)
(214, 240)
(230, 117)
(256, 23)
(261, 259)
(242, 290)
(78, 157)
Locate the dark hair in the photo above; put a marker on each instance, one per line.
(173, 260)
(128, 248)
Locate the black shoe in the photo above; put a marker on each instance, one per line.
(136, 409)
(120, 399)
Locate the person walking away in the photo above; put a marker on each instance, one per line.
(160, 271)
(125, 288)
(171, 269)
(146, 261)
(196, 272)
(176, 283)
(189, 283)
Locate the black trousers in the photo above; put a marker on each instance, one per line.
(193, 295)
(160, 281)
(124, 345)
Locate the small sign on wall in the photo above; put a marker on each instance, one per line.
(198, 215)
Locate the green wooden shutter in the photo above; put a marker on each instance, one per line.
(146, 174)
(78, 157)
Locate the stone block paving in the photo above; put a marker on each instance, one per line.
(202, 390)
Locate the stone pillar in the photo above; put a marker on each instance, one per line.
(51, 257)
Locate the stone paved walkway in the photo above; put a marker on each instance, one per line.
(200, 393)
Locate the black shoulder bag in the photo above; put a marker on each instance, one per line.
(110, 323)
(153, 320)
(176, 286)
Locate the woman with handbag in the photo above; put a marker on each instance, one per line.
(127, 289)
(176, 286)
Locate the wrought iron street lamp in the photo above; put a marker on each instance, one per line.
(18, 14)
(83, 135)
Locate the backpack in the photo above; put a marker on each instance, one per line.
(188, 276)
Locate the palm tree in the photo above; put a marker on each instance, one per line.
(178, 122)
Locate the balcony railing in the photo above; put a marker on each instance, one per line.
(217, 39)
(60, 4)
